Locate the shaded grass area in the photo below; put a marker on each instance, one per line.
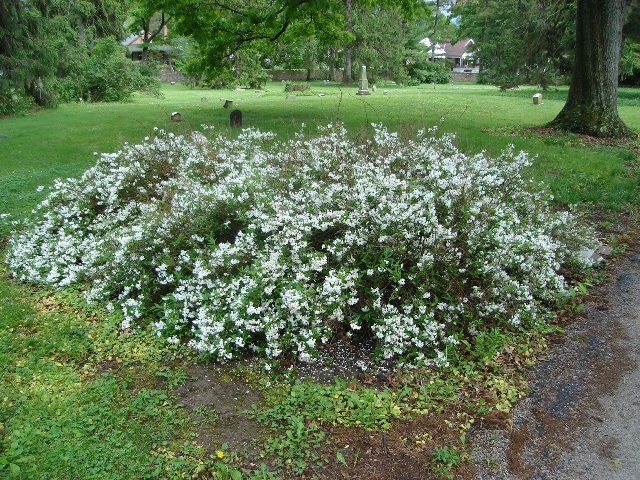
(77, 400)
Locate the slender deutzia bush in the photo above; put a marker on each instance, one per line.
(235, 244)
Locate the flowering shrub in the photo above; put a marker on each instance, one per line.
(243, 243)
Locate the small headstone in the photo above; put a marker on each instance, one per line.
(173, 83)
(239, 89)
(204, 100)
(374, 88)
(228, 104)
(291, 97)
(176, 117)
(325, 82)
(321, 94)
(384, 92)
(363, 83)
(235, 119)
(537, 99)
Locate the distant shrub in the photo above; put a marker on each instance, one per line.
(244, 71)
(107, 75)
(248, 70)
(235, 244)
(428, 72)
(12, 101)
(506, 79)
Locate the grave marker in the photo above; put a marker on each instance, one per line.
(235, 119)
(363, 83)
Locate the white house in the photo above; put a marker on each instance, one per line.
(460, 54)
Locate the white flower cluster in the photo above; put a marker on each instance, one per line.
(234, 244)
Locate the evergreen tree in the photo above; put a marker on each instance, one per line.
(42, 40)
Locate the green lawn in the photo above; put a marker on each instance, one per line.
(58, 143)
(79, 401)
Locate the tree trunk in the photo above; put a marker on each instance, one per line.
(348, 51)
(145, 39)
(332, 64)
(591, 106)
(435, 31)
(348, 66)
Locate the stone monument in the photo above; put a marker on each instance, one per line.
(363, 83)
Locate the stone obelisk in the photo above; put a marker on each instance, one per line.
(363, 83)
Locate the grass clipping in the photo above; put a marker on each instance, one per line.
(249, 244)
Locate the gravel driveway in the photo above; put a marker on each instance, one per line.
(582, 419)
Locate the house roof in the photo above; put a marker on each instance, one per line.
(138, 38)
(130, 39)
(462, 48)
(459, 49)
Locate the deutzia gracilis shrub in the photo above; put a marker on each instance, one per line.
(235, 244)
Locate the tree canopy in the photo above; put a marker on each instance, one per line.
(521, 41)
(223, 27)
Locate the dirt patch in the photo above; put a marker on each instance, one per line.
(402, 453)
(218, 404)
(347, 360)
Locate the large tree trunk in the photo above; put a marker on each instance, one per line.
(434, 35)
(348, 51)
(591, 106)
(145, 39)
(348, 65)
(332, 64)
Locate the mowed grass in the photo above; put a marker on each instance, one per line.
(77, 400)
(36, 148)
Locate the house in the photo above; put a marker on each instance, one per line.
(134, 44)
(460, 55)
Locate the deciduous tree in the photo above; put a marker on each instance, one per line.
(222, 27)
(591, 106)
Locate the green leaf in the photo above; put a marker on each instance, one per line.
(341, 459)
